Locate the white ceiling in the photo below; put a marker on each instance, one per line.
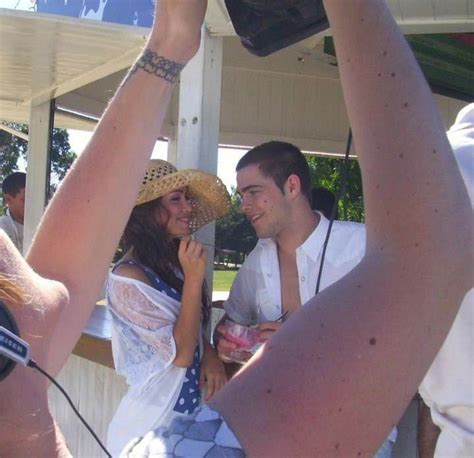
(46, 56)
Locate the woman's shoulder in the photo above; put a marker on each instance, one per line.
(131, 271)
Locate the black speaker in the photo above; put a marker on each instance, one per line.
(8, 322)
(266, 26)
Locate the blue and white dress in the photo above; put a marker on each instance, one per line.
(143, 347)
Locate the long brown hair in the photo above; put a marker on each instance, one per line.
(153, 248)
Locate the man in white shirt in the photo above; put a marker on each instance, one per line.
(13, 189)
(281, 272)
(448, 387)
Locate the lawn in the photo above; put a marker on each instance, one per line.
(223, 279)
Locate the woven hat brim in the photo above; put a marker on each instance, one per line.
(207, 194)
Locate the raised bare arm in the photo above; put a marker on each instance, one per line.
(84, 221)
(340, 372)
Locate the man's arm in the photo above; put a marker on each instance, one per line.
(84, 221)
(308, 390)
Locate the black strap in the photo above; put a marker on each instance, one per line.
(340, 194)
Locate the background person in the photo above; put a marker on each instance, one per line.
(323, 200)
(13, 189)
(160, 305)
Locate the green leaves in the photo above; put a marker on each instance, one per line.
(327, 172)
(14, 151)
(234, 231)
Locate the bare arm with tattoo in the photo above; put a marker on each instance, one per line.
(85, 220)
(87, 215)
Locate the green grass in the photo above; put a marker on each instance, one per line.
(223, 279)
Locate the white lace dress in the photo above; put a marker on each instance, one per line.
(144, 348)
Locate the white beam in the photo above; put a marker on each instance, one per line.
(37, 171)
(15, 132)
(172, 151)
(101, 71)
(199, 119)
(199, 107)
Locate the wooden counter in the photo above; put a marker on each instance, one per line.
(94, 344)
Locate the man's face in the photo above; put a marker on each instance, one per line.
(263, 203)
(16, 205)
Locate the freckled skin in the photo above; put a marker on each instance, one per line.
(373, 341)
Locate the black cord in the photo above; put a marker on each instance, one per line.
(342, 190)
(34, 365)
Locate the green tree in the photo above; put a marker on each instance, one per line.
(327, 172)
(13, 148)
(234, 231)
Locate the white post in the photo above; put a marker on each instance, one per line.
(199, 119)
(37, 172)
(172, 155)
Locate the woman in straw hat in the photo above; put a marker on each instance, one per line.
(157, 297)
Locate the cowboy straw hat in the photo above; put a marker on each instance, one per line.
(207, 194)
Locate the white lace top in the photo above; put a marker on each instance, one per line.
(143, 349)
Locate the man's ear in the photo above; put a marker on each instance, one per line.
(7, 198)
(293, 186)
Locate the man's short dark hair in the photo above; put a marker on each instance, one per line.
(14, 183)
(278, 160)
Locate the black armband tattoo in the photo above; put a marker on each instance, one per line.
(156, 65)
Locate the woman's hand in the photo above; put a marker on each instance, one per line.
(193, 258)
(213, 376)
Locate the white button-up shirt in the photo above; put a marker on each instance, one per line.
(255, 295)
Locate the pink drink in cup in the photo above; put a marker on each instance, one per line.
(243, 336)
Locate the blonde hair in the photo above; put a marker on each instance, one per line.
(9, 291)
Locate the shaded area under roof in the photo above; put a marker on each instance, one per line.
(447, 61)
